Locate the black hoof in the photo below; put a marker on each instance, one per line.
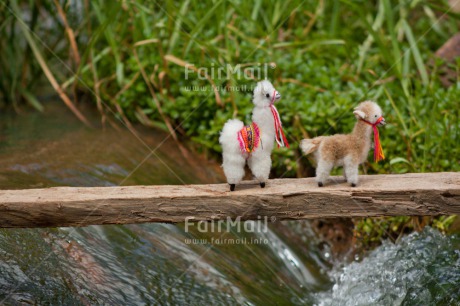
(353, 185)
(320, 184)
(262, 185)
(232, 187)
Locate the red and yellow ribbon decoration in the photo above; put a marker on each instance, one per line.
(279, 134)
(378, 151)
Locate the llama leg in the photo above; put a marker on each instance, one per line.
(260, 165)
(351, 172)
(234, 169)
(322, 171)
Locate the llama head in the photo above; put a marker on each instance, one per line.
(265, 94)
(369, 111)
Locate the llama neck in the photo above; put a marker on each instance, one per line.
(263, 117)
(362, 130)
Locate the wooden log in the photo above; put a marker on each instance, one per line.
(283, 199)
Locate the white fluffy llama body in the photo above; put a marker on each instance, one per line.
(259, 160)
(348, 150)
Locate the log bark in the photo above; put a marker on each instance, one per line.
(283, 199)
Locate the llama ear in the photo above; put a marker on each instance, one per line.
(359, 114)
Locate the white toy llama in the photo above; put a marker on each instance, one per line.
(348, 150)
(253, 143)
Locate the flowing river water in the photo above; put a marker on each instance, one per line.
(167, 264)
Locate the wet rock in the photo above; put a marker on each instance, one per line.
(449, 52)
(337, 235)
(454, 6)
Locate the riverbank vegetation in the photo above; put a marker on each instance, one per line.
(140, 62)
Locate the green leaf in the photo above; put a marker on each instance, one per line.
(397, 160)
(416, 53)
(32, 100)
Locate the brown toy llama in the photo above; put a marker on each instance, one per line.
(348, 150)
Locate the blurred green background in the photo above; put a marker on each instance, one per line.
(128, 58)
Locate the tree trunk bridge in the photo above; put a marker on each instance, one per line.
(283, 199)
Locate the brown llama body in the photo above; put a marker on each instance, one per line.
(349, 150)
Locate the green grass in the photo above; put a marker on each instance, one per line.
(329, 56)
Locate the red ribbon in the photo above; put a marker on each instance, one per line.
(279, 134)
(378, 151)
